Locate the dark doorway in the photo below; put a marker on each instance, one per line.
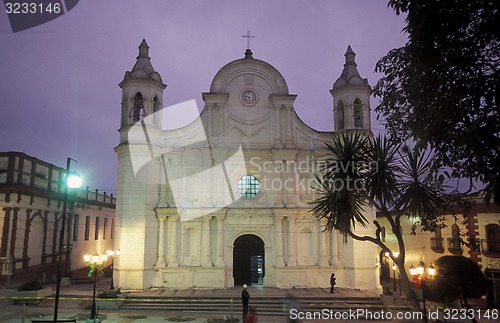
(248, 260)
(385, 268)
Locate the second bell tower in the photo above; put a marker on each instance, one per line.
(351, 97)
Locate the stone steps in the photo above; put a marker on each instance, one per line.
(264, 305)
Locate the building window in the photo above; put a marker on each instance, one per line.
(493, 237)
(112, 228)
(105, 227)
(358, 114)
(437, 241)
(87, 227)
(76, 224)
(96, 234)
(156, 108)
(248, 186)
(454, 243)
(340, 115)
(137, 111)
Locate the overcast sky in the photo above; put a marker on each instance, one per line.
(59, 81)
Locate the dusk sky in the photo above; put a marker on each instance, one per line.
(59, 81)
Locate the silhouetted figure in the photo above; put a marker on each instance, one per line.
(332, 283)
(245, 299)
(291, 304)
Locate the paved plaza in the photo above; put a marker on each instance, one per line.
(76, 300)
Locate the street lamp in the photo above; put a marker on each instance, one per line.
(112, 254)
(421, 277)
(72, 181)
(394, 268)
(395, 254)
(95, 263)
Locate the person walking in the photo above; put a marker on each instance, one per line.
(245, 299)
(332, 283)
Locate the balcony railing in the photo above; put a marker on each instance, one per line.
(488, 250)
(30, 175)
(454, 246)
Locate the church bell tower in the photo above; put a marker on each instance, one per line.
(351, 97)
(141, 105)
(142, 93)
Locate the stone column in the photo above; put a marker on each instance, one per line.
(160, 260)
(173, 260)
(323, 260)
(206, 247)
(279, 240)
(219, 262)
(334, 251)
(292, 242)
(289, 127)
(280, 178)
(163, 183)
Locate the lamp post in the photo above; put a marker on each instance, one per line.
(420, 276)
(95, 263)
(112, 254)
(72, 181)
(394, 268)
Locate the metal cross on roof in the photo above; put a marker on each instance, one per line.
(247, 36)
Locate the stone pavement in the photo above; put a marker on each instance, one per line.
(76, 299)
(75, 302)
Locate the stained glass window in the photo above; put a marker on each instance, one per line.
(248, 186)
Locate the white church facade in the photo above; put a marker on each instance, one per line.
(225, 200)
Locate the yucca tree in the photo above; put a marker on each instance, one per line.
(371, 171)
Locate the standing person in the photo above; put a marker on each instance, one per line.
(245, 299)
(332, 283)
(291, 304)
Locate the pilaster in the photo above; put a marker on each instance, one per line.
(334, 248)
(323, 260)
(173, 223)
(160, 260)
(292, 241)
(219, 262)
(278, 224)
(206, 246)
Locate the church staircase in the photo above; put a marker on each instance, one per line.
(267, 302)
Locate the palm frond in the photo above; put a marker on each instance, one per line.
(382, 176)
(421, 194)
(342, 184)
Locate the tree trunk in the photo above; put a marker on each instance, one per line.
(409, 289)
(464, 302)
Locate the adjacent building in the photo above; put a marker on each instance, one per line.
(31, 208)
(475, 235)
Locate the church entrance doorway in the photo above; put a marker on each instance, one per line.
(248, 260)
